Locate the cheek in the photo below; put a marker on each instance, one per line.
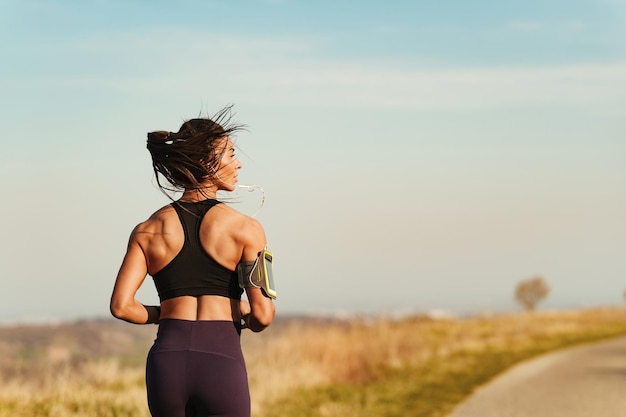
(232, 164)
(224, 163)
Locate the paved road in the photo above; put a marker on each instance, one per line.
(584, 381)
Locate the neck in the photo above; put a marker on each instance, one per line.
(199, 194)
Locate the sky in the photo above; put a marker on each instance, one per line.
(413, 155)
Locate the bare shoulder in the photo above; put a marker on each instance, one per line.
(244, 229)
(155, 224)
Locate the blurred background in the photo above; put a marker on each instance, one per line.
(415, 156)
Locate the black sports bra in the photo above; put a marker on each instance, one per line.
(192, 271)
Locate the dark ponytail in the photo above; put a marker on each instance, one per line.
(190, 156)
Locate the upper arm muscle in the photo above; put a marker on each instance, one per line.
(131, 274)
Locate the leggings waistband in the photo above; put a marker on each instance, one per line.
(214, 336)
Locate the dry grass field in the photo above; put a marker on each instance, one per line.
(299, 366)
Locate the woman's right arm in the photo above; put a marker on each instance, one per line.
(131, 275)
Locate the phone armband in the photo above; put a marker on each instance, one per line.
(258, 273)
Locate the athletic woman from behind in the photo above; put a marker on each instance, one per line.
(191, 248)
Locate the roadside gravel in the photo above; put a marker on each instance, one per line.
(583, 381)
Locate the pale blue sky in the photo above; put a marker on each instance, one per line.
(415, 154)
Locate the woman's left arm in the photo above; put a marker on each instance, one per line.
(261, 307)
(131, 275)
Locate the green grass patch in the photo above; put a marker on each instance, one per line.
(431, 389)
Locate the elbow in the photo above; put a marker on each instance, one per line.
(262, 317)
(118, 310)
(265, 320)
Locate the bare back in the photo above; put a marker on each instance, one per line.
(223, 233)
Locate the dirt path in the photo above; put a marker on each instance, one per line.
(584, 381)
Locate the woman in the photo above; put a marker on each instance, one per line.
(191, 248)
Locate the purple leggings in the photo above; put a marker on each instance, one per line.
(196, 369)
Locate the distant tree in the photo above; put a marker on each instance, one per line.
(530, 292)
